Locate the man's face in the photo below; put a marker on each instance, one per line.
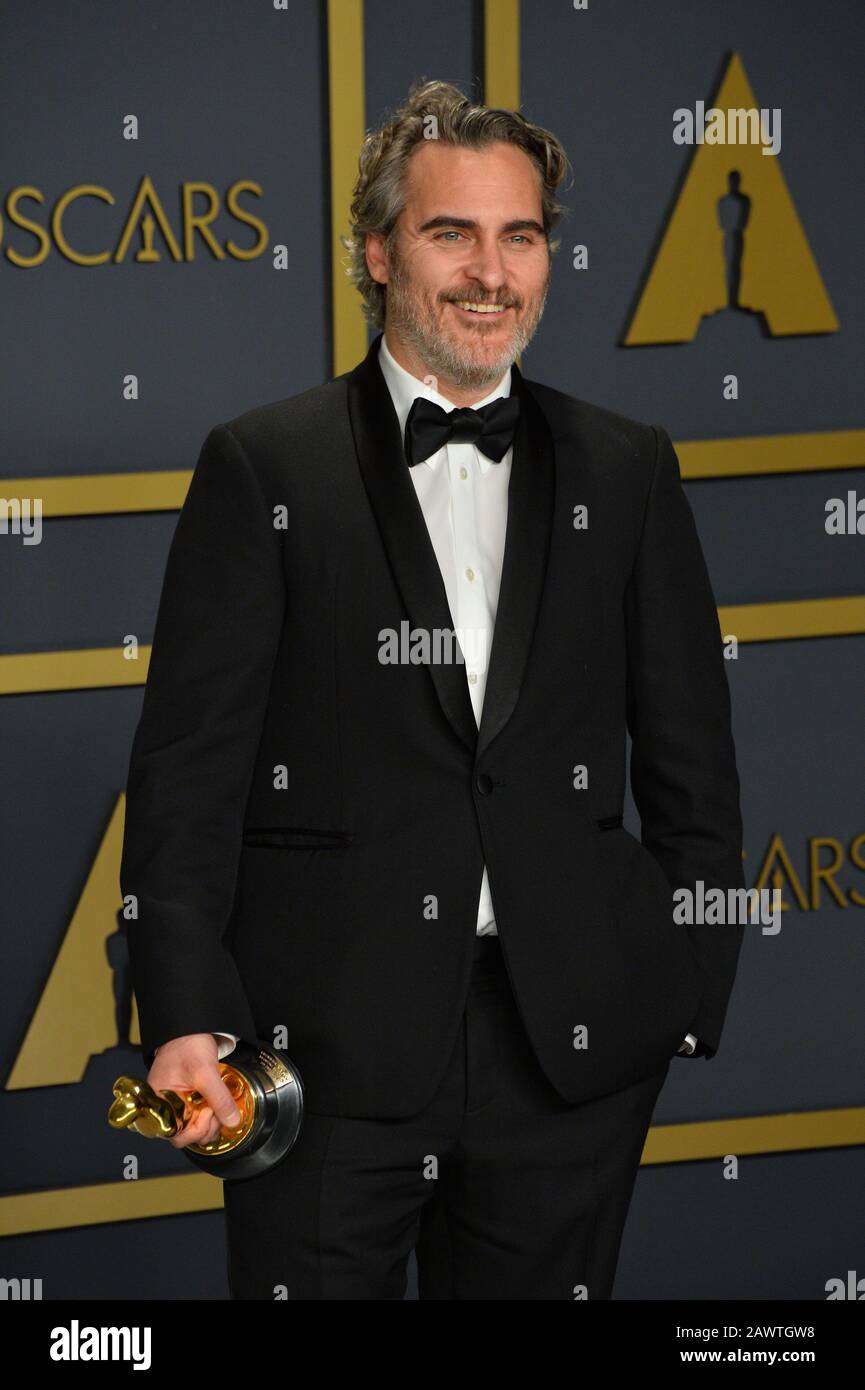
(471, 234)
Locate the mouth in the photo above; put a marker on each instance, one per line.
(467, 309)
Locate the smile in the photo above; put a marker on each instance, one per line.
(480, 308)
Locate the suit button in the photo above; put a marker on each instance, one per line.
(484, 783)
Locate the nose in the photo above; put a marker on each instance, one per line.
(485, 265)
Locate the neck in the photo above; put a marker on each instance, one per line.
(411, 362)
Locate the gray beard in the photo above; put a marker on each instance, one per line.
(440, 356)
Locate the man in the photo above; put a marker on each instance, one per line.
(415, 867)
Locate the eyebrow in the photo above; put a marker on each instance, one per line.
(520, 224)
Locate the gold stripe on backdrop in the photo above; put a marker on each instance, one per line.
(778, 622)
(347, 112)
(502, 53)
(100, 668)
(94, 1204)
(186, 1194)
(755, 1134)
(818, 451)
(96, 494)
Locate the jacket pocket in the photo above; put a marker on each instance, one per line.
(610, 822)
(294, 837)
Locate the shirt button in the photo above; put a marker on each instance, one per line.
(464, 473)
(484, 783)
(470, 574)
(473, 677)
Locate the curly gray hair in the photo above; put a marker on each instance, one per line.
(441, 111)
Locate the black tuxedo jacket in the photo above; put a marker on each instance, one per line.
(306, 827)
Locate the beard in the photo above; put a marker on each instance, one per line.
(414, 313)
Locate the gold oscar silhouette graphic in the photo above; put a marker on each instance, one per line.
(264, 1085)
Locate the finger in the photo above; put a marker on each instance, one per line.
(195, 1130)
(214, 1132)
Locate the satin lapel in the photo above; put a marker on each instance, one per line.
(531, 495)
(403, 530)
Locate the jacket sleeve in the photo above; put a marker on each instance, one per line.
(217, 631)
(683, 761)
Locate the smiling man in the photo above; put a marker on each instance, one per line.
(412, 874)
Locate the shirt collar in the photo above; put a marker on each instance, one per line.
(405, 389)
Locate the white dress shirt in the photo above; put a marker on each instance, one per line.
(464, 499)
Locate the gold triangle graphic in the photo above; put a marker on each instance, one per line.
(688, 279)
(74, 1018)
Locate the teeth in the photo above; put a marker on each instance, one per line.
(481, 308)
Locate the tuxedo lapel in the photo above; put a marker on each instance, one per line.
(403, 530)
(531, 491)
(413, 562)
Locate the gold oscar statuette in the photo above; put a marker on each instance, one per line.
(264, 1085)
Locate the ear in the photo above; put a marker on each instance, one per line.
(376, 257)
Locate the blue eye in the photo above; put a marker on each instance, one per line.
(519, 238)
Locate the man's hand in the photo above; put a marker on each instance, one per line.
(190, 1064)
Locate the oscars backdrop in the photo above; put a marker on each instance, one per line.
(176, 179)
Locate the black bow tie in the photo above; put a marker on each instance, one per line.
(491, 428)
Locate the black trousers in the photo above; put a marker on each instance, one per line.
(504, 1190)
